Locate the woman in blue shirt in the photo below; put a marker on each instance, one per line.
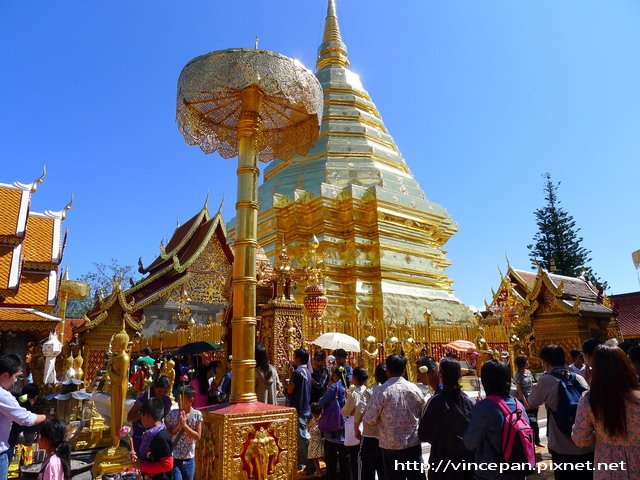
(334, 450)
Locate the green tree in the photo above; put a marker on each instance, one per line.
(556, 245)
(101, 281)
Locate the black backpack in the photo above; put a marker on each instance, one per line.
(569, 393)
(455, 421)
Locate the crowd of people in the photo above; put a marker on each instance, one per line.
(366, 428)
(376, 431)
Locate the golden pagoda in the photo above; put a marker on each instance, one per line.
(31, 249)
(381, 237)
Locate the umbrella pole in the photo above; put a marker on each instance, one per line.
(243, 325)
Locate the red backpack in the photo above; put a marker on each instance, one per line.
(518, 441)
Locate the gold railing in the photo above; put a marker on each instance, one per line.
(171, 340)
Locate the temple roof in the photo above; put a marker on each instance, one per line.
(31, 248)
(573, 293)
(627, 309)
(25, 315)
(167, 272)
(180, 237)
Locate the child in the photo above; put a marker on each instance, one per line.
(185, 427)
(155, 450)
(316, 442)
(56, 465)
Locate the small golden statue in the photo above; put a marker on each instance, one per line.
(69, 371)
(484, 352)
(291, 335)
(370, 357)
(169, 371)
(77, 365)
(409, 349)
(391, 343)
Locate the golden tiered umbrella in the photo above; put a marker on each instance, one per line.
(256, 105)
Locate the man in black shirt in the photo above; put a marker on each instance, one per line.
(319, 377)
(299, 391)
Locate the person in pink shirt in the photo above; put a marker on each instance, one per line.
(56, 465)
(201, 385)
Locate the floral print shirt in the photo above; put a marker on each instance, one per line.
(609, 450)
(396, 408)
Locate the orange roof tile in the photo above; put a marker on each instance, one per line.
(6, 256)
(25, 315)
(33, 290)
(10, 201)
(38, 243)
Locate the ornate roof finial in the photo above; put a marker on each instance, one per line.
(66, 274)
(67, 207)
(206, 201)
(39, 180)
(221, 204)
(332, 51)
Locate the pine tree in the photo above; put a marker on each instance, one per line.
(557, 246)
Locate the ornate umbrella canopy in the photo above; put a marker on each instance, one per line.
(210, 96)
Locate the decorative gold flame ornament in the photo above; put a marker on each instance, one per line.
(315, 298)
(256, 105)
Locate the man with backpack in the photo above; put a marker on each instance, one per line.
(560, 390)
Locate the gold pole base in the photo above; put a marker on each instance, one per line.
(248, 440)
(110, 460)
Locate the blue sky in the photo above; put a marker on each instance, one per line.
(481, 98)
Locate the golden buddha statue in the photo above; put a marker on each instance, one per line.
(409, 349)
(69, 371)
(484, 352)
(77, 365)
(115, 458)
(118, 374)
(169, 371)
(391, 343)
(291, 335)
(370, 357)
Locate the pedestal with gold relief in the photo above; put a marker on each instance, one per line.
(110, 460)
(246, 441)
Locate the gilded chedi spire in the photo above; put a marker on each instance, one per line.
(383, 238)
(332, 51)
